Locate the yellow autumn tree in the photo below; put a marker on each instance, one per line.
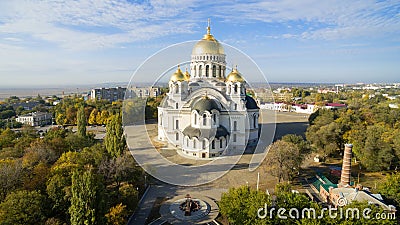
(117, 215)
(93, 117)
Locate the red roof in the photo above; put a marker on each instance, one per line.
(336, 104)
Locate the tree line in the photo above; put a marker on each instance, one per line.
(66, 177)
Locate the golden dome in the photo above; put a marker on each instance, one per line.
(187, 75)
(178, 75)
(234, 76)
(207, 45)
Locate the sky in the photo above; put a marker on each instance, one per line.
(77, 42)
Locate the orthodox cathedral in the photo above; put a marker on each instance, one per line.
(206, 113)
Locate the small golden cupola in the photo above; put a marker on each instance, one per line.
(178, 75)
(235, 76)
(187, 75)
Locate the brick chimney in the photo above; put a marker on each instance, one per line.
(346, 167)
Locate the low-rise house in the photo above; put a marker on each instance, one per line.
(36, 119)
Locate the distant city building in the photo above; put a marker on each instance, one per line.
(283, 96)
(36, 119)
(290, 107)
(276, 106)
(334, 106)
(299, 108)
(28, 105)
(56, 102)
(111, 94)
(144, 92)
(304, 108)
(325, 91)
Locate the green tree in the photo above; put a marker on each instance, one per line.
(61, 119)
(86, 198)
(371, 148)
(59, 182)
(81, 122)
(240, 205)
(11, 173)
(114, 139)
(23, 207)
(283, 160)
(390, 188)
(6, 138)
(299, 141)
(70, 115)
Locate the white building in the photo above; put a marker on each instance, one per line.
(110, 94)
(304, 108)
(276, 106)
(36, 119)
(284, 107)
(205, 113)
(144, 92)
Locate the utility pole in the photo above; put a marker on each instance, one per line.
(258, 179)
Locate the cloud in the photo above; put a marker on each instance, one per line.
(80, 25)
(329, 19)
(96, 24)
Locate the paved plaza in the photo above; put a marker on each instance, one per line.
(239, 175)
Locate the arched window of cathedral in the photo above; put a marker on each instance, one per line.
(207, 70)
(235, 106)
(177, 136)
(195, 119)
(204, 144)
(214, 71)
(176, 124)
(194, 143)
(195, 71)
(214, 119)
(213, 144)
(255, 120)
(204, 119)
(234, 137)
(235, 88)
(235, 125)
(176, 105)
(200, 71)
(220, 143)
(187, 142)
(220, 71)
(176, 88)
